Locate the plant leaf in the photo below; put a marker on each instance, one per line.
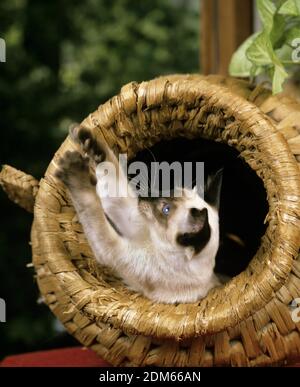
(285, 52)
(278, 28)
(256, 70)
(290, 7)
(266, 10)
(279, 77)
(240, 65)
(292, 34)
(273, 48)
(260, 51)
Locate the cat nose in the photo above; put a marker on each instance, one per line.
(197, 214)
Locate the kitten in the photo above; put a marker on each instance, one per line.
(164, 248)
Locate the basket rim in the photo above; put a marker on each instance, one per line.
(256, 288)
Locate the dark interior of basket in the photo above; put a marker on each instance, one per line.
(243, 205)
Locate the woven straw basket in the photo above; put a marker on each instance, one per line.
(246, 322)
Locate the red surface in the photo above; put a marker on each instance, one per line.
(65, 357)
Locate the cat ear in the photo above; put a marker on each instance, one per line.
(213, 191)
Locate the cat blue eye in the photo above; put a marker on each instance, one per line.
(166, 209)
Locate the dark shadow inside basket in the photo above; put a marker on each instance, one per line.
(243, 206)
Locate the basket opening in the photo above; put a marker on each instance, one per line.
(243, 206)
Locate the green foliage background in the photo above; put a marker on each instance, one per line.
(64, 58)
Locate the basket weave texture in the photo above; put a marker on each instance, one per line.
(246, 322)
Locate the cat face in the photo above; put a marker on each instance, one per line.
(186, 221)
(183, 222)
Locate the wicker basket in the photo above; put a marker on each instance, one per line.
(246, 322)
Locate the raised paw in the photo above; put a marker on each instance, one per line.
(88, 142)
(73, 170)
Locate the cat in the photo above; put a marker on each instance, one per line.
(163, 248)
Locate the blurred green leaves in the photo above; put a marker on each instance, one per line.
(122, 41)
(290, 7)
(64, 58)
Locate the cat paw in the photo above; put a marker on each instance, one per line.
(88, 142)
(73, 170)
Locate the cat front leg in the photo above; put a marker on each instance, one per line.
(97, 150)
(74, 172)
(118, 199)
(112, 181)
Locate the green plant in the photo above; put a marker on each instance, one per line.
(275, 50)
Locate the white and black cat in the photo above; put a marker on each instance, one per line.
(164, 248)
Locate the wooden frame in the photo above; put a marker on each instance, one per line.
(225, 24)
